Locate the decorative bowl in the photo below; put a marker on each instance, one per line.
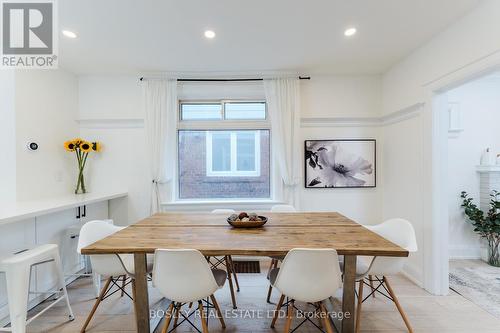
(248, 224)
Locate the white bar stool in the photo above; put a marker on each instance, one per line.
(17, 269)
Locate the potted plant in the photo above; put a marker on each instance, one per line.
(486, 225)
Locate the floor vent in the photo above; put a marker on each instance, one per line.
(246, 266)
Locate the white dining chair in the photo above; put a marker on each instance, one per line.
(73, 232)
(276, 259)
(370, 270)
(227, 261)
(283, 209)
(118, 269)
(185, 277)
(307, 275)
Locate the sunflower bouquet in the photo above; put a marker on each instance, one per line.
(81, 148)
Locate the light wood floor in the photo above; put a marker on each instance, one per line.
(427, 313)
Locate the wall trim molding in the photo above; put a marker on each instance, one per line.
(409, 112)
(392, 118)
(340, 122)
(110, 123)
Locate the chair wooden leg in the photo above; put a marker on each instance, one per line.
(230, 279)
(270, 268)
(370, 277)
(289, 317)
(233, 271)
(96, 304)
(219, 312)
(318, 310)
(177, 309)
(124, 279)
(400, 309)
(360, 302)
(168, 317)
(204, 325)
(270, 290)
(326, 318)
(275, 314)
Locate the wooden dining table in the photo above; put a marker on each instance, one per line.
(213, 236)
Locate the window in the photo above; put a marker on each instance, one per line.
(223, 110)
(233, 153)
(224, 150)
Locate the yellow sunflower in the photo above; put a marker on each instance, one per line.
(69, 146)
(78, 142)
(85, 146)
(96, 146)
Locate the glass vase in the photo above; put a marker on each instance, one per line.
(493, 255)
(80, 183)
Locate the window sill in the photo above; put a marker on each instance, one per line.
(208, 205)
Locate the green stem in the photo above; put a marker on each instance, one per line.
(78, 183)
(82, 159)
(85, 156)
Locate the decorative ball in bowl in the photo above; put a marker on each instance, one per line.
(244, 220)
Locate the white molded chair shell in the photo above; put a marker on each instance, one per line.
(283, 209)
(184, 275)
(400, 232)
(223, 211)
(106, 264)
(309, 275)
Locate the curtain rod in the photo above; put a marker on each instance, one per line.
(227, 80)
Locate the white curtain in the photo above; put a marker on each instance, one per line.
(283, 104)
(160, 105)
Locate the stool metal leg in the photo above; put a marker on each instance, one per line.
(18, 281)
(62, 283)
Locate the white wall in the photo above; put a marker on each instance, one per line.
(109, 97)
(468, 40)
(402, 182)
(123, 161)
(111, 106)
(341, 96)
(468, 43)
(46, 103)
(326, 100)
(361, 205)
(479, 105)
(7, 137)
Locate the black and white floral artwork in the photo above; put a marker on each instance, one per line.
(340, 163)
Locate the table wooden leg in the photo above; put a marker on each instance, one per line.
(348, 298)
(141, 293)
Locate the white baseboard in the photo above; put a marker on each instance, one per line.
(413, 275)
(464, 252)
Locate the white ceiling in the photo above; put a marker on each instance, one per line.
(131, 36)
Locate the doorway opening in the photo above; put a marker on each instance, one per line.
(470, 120)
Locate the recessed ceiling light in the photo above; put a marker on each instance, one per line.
(209, 34)
(69, 34)
(350, 32)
